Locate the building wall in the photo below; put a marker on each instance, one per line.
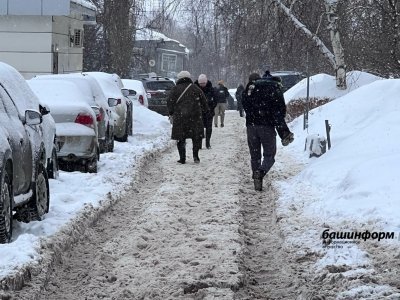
(26, 43)
(36, 42)
(154, 50)
(69, 57)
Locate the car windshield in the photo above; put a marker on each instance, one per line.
(159, 85)
(289, 80)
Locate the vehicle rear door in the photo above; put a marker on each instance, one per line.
(19, 142)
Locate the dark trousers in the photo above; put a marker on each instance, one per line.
(207, 121)
(181, 144)
(264, 136)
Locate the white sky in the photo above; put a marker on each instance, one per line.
(354, 186)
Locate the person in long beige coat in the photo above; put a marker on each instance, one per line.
(186, 105)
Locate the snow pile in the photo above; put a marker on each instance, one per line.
(357, 178)
(324, 86)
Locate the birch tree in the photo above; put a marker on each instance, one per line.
(336, 59)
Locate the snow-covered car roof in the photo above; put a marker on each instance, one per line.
(110, 83)
(59, 95)
(133, 84)
(89, 87)
(18, 89)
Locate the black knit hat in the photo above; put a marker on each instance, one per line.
(254, 77)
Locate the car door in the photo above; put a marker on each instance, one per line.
(20, 144)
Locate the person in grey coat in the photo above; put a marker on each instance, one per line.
(186, 104)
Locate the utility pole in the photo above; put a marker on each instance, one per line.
(307, 104)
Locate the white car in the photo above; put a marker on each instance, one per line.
(78, 147)
(112, 87)
(138, 87)
(94, 96)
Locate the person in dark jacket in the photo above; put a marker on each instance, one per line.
(186, 104)
(221, 97)
(239, 96)
(262, 101)
(208, 90)
(279, 119)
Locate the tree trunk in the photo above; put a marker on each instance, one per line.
(340, 67)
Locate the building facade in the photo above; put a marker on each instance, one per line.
(159, 54)
(44, 36)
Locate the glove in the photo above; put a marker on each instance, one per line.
(171, 119)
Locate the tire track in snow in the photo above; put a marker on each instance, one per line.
(272, 269)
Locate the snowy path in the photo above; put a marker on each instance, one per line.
(193, 232)
(175, 234)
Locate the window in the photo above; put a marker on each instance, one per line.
(159, 85)
(168, 62)
(77, 38)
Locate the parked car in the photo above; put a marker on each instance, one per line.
(158, 89)
(289, 78)
(138, 87)
(78, 147)
(95, 97)
(24, 184)
(112, 87)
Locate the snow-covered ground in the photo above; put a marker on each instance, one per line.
(353, 187)
(71, 192)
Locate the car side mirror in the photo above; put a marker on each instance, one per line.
(44, 110)
(132, 93)
(125, 92)
(33, 117)
(112, 102)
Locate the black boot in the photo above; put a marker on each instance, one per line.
(196, 158)
(208, 137)
(182, 151)
(196, 147)
(258, 179)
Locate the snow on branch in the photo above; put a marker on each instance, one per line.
(320, 44)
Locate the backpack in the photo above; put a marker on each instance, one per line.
(264, 95)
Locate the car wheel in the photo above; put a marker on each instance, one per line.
(125, 136)
(103, 146)
(5, 209)
(52, 166)
(130, 131)
(111, 143)
(91, 166)
(38, 204)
